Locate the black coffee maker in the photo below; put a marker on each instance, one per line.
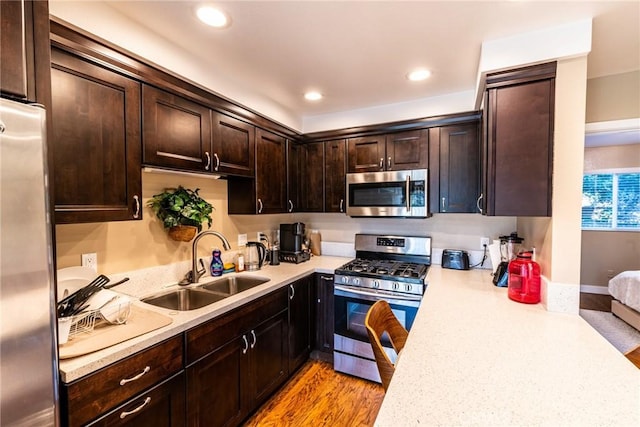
(292, 243)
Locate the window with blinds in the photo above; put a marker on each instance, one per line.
(611, 201)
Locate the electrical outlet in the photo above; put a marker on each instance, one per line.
(484, 241)
(262, 236)
(90, 260)
(242, 239)
(610, 274)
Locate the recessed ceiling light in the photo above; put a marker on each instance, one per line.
(213, 16)
(418, 75)
(313, 96)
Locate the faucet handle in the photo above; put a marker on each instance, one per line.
(187, 279)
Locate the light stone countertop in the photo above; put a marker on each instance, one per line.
(474, 357)
(150, 281)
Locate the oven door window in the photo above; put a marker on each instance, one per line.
(350, 313)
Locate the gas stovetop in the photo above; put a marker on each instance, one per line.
(385, 269)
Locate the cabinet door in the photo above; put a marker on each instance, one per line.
(299, 323)
(17, 57)
(233, 146)
(407, 150)
(215, 394)
(294, 176)
(96, 142)
(335, 172)
(459, 187)
(271, 172)
(520, 149)
(314, 177)
(161, 406)
(366, 154)
(324, 313)
(269, 356)
(176, 131)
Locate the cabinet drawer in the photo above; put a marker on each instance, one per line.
(101, 391)
(204, 339)
(162, 405)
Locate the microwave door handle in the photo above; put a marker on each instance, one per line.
(408, 192)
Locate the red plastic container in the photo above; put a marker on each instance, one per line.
(524, 279)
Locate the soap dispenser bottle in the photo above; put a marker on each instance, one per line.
(216, 263)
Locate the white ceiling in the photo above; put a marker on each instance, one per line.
(357, 52)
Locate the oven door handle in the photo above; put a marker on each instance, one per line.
(375, 295)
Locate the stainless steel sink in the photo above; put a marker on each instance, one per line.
(184, 299)
(232, 285)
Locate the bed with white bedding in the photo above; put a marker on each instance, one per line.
(625, 289)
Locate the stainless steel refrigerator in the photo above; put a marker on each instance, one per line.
(28, 345)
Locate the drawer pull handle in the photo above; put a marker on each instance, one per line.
(133, 411)
(137, 377)
(292, 293)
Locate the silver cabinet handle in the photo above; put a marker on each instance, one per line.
(254, 339)
(292, 293)
(245, 346)
(136, 200)
(206, 167)
(135, 378)
(217, 166)
(478, 202)
(341, 205)
(290, 206)
(127, 413)
(260, 206)
(407, 188)
(2, 127)
(381, 163)
(389, 162)
(443, 208)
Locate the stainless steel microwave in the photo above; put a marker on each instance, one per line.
(388, 194)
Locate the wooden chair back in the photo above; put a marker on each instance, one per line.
(380, 319)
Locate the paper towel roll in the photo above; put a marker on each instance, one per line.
(494, 254)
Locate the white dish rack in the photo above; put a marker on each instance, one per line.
(85, 322)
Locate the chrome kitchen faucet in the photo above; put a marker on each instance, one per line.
(193, 275)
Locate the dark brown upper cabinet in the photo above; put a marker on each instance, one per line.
(176, 132)
(95, 142)
(294, 176)
(454, 168)
(313, 184)
(271, 173)
(335, 171)
(518, 144)
(24, 43)
(397, 151)
(233, 146)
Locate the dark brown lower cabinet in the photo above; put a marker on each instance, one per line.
(244, 360)
(161, 406)
(299, 322)
(324, 313)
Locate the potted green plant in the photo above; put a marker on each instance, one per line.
(182, 212)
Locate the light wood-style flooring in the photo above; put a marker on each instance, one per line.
(318, 396)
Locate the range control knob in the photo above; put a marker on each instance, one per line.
(345, 279)
(395, 286)
(356, 281)
(376, 284)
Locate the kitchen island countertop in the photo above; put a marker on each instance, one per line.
(474, 357)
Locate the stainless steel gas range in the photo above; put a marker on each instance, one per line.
(392, 268)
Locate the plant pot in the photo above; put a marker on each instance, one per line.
(183, 233)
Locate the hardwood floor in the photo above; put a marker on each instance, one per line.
(634, 356)
(318, 396)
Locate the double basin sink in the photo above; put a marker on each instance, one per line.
(193, 298)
